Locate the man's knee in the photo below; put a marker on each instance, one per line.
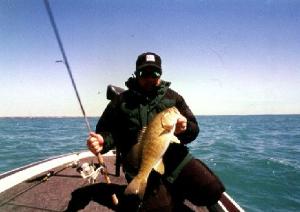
(199, 184)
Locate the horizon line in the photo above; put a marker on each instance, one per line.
(67, 116)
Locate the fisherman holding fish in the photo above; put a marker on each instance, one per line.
(150, 124)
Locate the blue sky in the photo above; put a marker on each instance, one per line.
(224, 57)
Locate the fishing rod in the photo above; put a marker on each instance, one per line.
(65, 61)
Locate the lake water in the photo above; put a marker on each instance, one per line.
(257, 157)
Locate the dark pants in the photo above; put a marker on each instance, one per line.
(196, 183)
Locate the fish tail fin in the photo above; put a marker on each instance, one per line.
(136, 187)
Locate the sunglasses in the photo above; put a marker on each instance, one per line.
(152, 74)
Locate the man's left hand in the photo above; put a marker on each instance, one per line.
(181, 125)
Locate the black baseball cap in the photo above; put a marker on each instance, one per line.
(148, 59)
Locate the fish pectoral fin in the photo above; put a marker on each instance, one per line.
(174, 139)
(159, 167)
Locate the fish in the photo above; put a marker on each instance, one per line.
(150, 148)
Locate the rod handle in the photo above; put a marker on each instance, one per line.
(113, 196)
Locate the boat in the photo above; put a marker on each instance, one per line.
(68, 183)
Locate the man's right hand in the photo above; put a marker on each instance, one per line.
(95, 143)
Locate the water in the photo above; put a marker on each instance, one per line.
(257, 157)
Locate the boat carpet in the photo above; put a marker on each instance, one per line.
(65, 190)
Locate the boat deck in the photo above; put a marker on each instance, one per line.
(66, 189)
(54, 194)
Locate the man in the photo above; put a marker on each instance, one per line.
(120, 124)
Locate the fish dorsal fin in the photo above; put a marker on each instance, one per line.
(141, 134)
(168, 120)
(135, 154)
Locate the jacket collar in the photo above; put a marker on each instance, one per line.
(133, 86)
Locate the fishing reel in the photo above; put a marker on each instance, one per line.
(89, 171)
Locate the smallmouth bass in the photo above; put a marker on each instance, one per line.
(148, 152)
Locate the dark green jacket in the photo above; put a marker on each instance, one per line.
(124, 117)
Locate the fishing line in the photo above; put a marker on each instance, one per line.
(65, 61)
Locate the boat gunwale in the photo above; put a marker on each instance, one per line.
(11, 178)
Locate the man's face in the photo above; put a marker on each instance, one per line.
(148, 80)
